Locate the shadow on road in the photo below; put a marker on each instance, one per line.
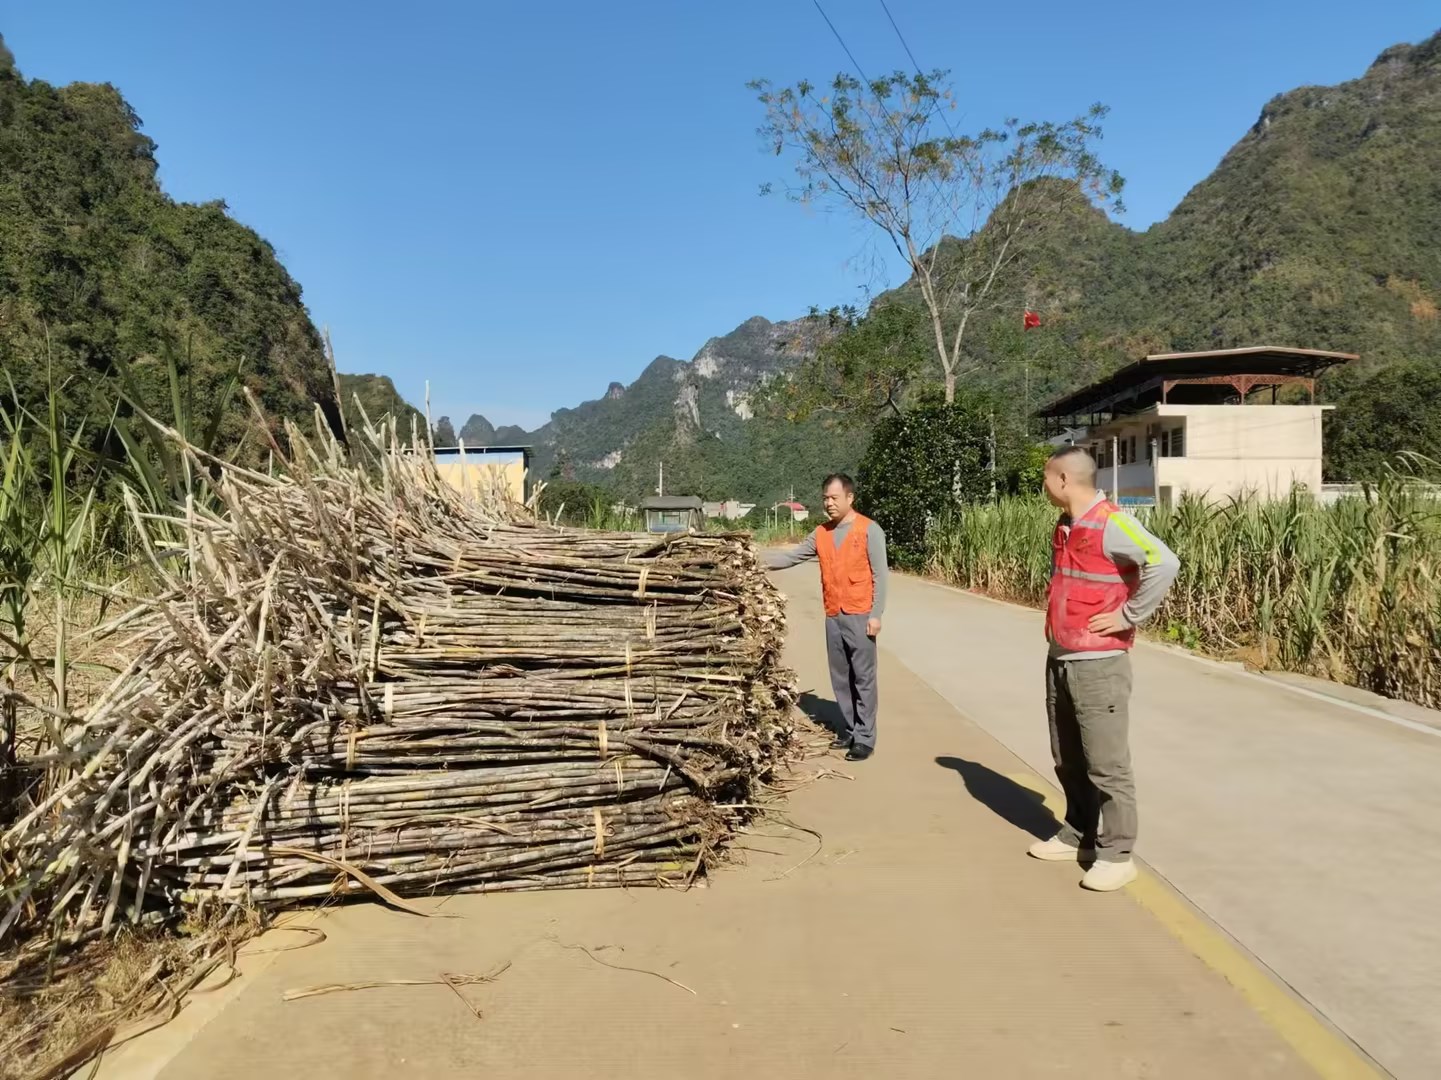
(1005, 798)
(823, 711)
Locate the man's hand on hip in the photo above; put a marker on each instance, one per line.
(873, 626)
(1108, 622)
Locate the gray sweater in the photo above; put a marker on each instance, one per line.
(875, 548)
(1127, 542)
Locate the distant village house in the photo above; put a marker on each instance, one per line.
(728, 510)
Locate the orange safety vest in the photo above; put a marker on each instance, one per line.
(1084, 582)
(846, 584)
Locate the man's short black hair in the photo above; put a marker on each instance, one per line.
(839, 478)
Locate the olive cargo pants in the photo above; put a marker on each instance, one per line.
(1087, 704)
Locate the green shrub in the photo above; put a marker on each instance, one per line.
(922, 465)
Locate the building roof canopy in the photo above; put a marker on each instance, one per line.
(1144, 382)
(672, 502)
(481, 449)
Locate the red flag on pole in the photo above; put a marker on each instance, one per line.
(1032, 320)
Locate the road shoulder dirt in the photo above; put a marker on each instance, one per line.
(912, 939)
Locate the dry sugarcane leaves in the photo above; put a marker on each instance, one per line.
(357, 681)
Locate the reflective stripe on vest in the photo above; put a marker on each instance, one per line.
(1086, 576)
(1085, 583)
(846, 582)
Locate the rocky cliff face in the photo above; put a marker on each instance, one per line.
(695, 415)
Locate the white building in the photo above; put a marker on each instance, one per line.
(728, 510)
(1201, 423)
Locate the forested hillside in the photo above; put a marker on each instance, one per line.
(100, 270)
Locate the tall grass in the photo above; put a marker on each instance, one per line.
(1350, 591)
(47, 534)
(59, 536)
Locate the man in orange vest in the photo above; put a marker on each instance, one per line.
(1108, 575)
(852, 552)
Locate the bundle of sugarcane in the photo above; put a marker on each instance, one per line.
(358, 679)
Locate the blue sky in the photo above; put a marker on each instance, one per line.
(521, 201)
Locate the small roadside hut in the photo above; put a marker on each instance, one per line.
(673, 513)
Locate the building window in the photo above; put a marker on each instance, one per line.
(1173, 443)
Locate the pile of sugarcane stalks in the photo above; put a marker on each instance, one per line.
(354, 679)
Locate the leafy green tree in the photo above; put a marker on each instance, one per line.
(1381, 414)
(921, 464)
(959, 209)
(866, 367)
(444, 434)
(101, 272)
(1027, 467)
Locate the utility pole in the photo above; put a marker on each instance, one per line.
(1115, 469)
(993, 456)
(1155, 471)
(660, 480)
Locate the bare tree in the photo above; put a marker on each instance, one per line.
(959, 209)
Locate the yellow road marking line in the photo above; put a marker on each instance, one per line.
(1330, 1054)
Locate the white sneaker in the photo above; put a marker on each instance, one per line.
(1057, 850)
(1106, 876)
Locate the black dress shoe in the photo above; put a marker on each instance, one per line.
(839, 743)
(860, 753)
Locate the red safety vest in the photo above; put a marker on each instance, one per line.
(846, 584)
(1084, 582)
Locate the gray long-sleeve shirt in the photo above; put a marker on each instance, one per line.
(875, 548)
(1127, 542)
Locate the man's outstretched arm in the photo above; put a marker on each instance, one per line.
(780, 558)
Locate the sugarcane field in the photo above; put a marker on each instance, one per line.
(484, 594)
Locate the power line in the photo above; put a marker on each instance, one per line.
(915, 64)
(890, 119)
(866, 83)
(854, 62)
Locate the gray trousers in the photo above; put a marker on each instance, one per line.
(852, 656)
(1087, 703)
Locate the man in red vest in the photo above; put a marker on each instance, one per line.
(1108, 575)
(852, 552)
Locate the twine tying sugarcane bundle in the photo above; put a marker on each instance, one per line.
(357, 679)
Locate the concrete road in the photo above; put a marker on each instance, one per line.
(913, 939)
(1308, 829)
